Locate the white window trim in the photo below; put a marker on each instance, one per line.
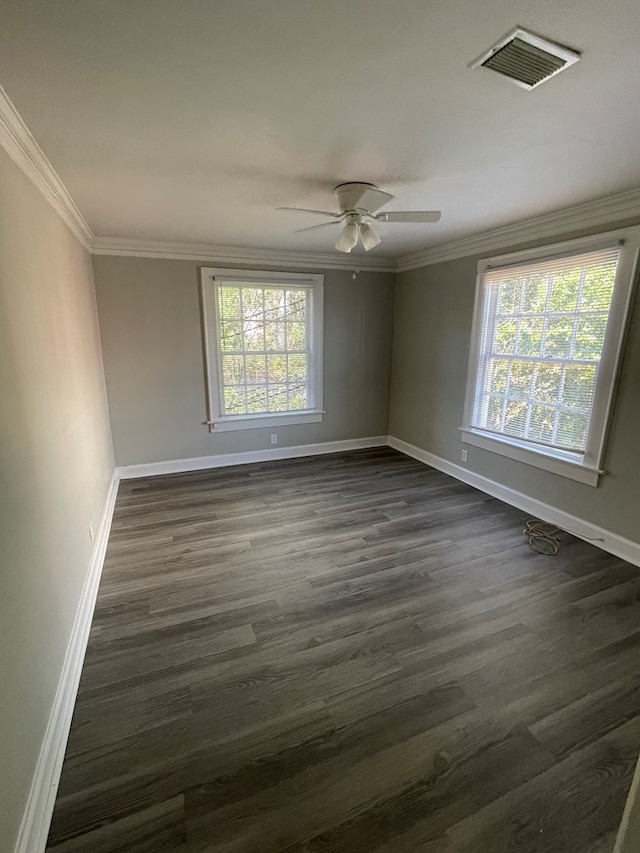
(585, 468)
(215, 420)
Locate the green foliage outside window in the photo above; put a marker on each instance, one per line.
(547, 340)
(265, 358)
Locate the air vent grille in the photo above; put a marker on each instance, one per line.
(526, 59)
(524, 62)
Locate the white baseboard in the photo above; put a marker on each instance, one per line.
(32, 837)
(201, 463)
(605, 539)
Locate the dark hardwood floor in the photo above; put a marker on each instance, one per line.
(348, 653)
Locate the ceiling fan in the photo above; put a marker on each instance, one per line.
(358, 203)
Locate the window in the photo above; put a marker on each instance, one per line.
(263, 346)
(548, 331)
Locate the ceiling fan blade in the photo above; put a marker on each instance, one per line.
(409, 216)
(306, 210)
(359, 196)
(315, 227)
(372, 199)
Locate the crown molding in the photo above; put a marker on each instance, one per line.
(19, 143)
(600, 212)
(21, 146)
(237, 255)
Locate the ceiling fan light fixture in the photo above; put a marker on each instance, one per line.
(348, 240)
(369, 236)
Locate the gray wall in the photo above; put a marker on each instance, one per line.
(150, 326)
(432, 333)
(56, 462)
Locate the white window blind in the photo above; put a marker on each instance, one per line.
(266, 336)
(540, 343)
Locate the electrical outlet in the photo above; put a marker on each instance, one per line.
(91, 533)
(274, 438)
(464, 455)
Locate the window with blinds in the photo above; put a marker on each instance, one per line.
(547, 339)
(541, 341)
(265, 347)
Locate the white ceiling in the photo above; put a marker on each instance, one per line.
(191, 120)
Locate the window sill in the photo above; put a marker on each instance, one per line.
(261, 421)
(554, 461)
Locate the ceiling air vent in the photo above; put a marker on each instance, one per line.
(526, 59)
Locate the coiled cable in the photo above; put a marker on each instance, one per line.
(542, 536)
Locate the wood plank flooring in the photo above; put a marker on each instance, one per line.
(348, 653)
